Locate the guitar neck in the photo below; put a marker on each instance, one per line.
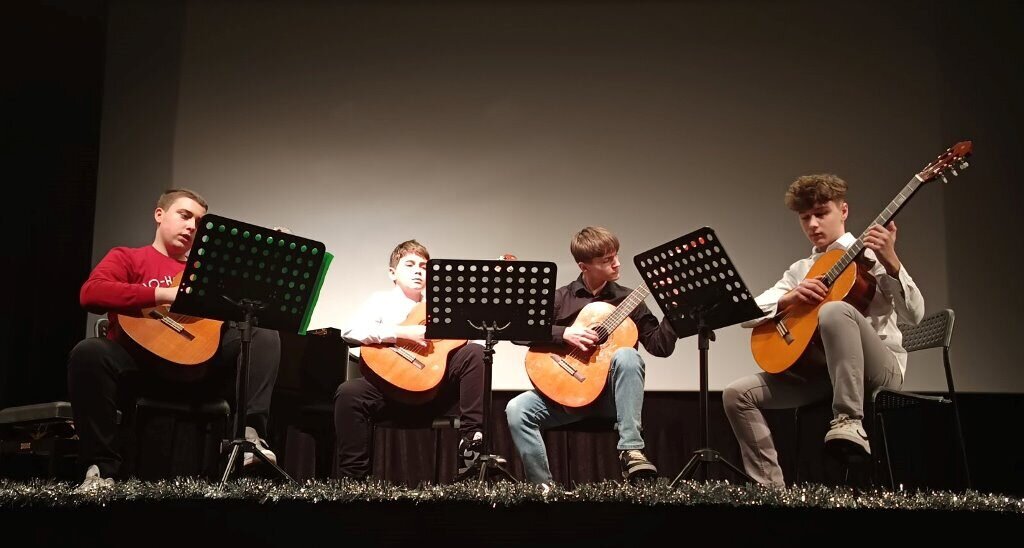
(625, 308)
(883, 218)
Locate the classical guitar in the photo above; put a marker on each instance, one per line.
(414, 370)
(778, 342)
(177, 338)
(573, 377)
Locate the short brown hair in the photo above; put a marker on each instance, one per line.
(405, 248)
(810, 190)
(170, 195)
(593, 242)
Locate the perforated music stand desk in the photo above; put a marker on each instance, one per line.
(249, 274)
(698, 289)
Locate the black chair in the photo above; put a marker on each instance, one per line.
(590, 427)
(436, 424)
(315, 418)
(42, 431)
(209, 415)
(934, 331)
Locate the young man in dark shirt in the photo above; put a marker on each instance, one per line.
(596, 251)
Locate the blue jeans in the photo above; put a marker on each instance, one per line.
(530, 413)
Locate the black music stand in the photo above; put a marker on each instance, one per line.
(501, 300)
(237, 271)
(698, 289)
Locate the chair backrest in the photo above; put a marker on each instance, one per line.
(101, 326)
(934, 331)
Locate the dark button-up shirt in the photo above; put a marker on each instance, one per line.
(658, 338)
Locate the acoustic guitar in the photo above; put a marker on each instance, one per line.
(780, 341)
(177, 338)
(414, 371)
(573, 377)
(411, 373)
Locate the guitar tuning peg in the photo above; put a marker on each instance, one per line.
(953, 171)
(944, 179)
(964, 165)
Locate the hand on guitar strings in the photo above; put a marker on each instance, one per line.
(583, 338)
(809, 291)
(412, 333)
(883, 242)
(166, 295)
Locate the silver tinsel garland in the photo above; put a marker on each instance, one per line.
(42, 494)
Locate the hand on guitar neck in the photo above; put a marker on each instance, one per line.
(882, 240)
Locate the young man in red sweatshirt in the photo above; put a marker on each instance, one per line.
(103, 371)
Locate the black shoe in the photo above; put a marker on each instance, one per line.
(469, 454)
(635, 465)
(470, 450)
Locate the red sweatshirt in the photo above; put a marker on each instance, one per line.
(126, 281)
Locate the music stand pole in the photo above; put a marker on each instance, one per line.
(239, 444)
(705, 455)
(501, 300)
(699, 289)
(236, 269)
(487, 458)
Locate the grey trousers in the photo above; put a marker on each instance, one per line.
(851, 361)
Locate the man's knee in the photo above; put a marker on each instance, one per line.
(88, 353)
(835, 311)
(627, 359)
(736, 396)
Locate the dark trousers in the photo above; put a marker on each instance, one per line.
(104, 376)
(358, 403)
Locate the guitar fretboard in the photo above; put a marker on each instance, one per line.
(883, 218)
(625, 308)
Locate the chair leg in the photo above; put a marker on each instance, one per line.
(963, 446)
(796, 453)
(437, 456)
(880, 419)
(568, 460)
(956, 417)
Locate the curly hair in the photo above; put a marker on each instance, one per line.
(810, 190)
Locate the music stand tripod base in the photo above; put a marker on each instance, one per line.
(698, 289)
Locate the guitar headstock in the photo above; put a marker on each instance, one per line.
(953, 159)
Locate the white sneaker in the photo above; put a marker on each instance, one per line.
(93, 481)
(847, 436)
(261, 444)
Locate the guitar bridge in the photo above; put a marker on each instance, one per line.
(567, 368)
(780, 326)
(169, 322)
(409, 357)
